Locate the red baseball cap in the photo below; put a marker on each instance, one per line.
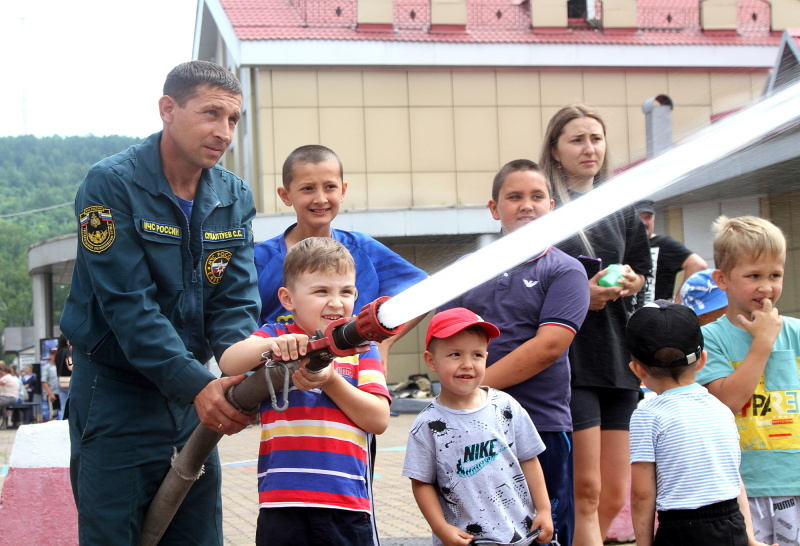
(452, 321)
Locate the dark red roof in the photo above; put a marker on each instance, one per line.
(660, 22)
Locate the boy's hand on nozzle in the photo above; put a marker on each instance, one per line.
(288, 346)
(451, 535)
(544, 522)
(765, 323)
(306, 381)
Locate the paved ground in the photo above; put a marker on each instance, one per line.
(399, 520)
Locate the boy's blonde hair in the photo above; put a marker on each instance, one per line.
(316, 255)
(748, 236)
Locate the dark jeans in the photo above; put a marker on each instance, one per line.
(556, 463)
(720, 524)
(294, 526)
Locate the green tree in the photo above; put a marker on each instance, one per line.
(35, 174)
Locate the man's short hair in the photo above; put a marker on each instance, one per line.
(316, 255)
(184, 80)
(310, 153)
(746, 236)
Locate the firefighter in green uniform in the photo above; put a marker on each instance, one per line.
(164, 280)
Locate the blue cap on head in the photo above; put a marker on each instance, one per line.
(701, 293)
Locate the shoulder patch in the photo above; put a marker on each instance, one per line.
(97, 228)
(216, 263)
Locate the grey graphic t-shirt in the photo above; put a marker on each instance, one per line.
(473, 457)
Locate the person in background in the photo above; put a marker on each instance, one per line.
(669, 257)
(50, 385)
(28, 382)
(64, 368)
(29, 379)
(163, 281)
(9, 393)
(604, 390)
(539, 307)
(752, 368)
(471, 443)
(702, 295)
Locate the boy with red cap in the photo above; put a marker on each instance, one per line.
(472, 453)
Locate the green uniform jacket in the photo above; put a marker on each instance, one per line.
(152, 294)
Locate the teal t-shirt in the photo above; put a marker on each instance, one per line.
(769, 424)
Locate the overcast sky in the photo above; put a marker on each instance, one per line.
(89, 66)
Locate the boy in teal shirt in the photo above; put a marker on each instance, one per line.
(753, 369)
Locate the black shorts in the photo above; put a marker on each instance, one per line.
(608, 408)
(293, 526)
(720, 524)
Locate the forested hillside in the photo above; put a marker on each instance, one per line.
(37, 173)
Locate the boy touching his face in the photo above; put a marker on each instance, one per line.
(753, 369)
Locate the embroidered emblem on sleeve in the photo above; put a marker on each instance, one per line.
(97, 228)
(216, 263)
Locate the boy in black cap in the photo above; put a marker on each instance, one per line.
(684, 443)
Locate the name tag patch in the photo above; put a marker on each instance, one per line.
(229, 235)
(161, 229)
(216, 263)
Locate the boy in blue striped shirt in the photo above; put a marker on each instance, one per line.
(684, 443)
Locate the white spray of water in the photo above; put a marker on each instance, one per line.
(640, 182)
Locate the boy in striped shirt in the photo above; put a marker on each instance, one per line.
(684, 443)
(312, 462)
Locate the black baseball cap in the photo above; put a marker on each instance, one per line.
(662, 324)
(645, 206)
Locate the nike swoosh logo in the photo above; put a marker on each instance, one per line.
(477, 467)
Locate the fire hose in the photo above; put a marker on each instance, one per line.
(343, 337)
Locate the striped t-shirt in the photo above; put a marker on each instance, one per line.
(692, 438)
(313, 455)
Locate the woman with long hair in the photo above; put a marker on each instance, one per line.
(604, 390)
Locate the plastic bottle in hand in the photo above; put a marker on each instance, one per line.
(614, 277)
